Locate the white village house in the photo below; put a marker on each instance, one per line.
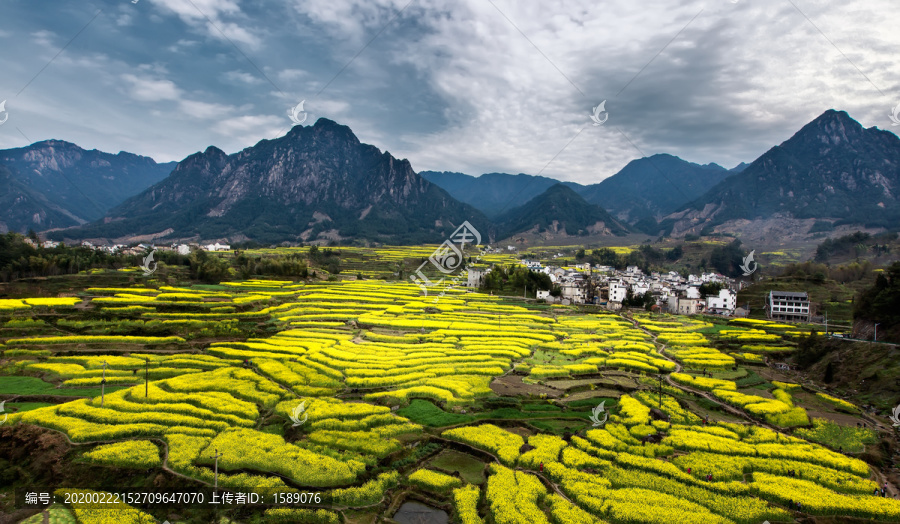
(723, 304)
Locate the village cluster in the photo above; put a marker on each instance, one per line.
(140, 249)
(672, 293)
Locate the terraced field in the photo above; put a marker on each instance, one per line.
(364, 390)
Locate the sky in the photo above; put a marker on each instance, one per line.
(474, 86)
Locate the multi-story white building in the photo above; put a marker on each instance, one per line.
(639, 288)
(617, 291)
(724, 303)
(788, 305)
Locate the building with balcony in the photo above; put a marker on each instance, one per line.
(788, 305)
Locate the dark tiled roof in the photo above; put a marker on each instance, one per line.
(790, 294)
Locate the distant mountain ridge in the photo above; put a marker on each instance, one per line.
(559, 210)
(653, 186)
(832, 168)
(61, 184)
(320, 183)
(647, 187)
(493, 193)
(317, 182)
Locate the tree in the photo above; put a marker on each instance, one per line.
(710, 288)
(727, 259)
(649, 301)
(209, 268)
(675, 253)
(881, 303)
(606, 257)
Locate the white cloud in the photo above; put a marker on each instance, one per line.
(252, 128)
(183, 45)
(205, 110)
(43, 37)
(148, 89)
(738, 79)
(453, 85)
(243, 77)
(124, 20)
(291, 75)
(212, 16)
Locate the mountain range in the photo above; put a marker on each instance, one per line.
(493, 193)
(558, 210)
(316, 182)
(644, 191)
(320, 183)
(832, 169)
(55, 184)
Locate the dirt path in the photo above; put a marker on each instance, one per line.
(880, 478)
(726, 407)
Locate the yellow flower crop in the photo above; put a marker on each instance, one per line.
(513, 496)
(434, 481)
(140, 454)
(840, 403)
(465, 500)
(490, 438)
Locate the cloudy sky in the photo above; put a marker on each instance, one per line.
(473, 86)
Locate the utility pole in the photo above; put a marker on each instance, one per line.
(146, 377)
(826, 323)
(103, 385)
(876, 331)
(216, 456)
